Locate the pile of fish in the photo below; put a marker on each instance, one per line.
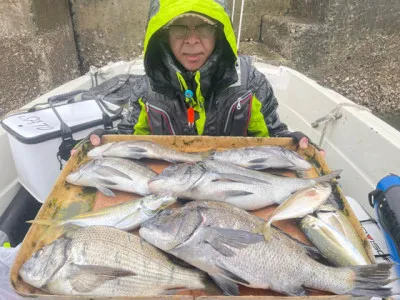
(212, 234)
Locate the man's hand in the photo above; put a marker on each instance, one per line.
(302, 140)
(94, 138)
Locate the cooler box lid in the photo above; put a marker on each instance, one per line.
(43, 125)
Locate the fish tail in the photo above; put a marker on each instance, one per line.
(329, 177)
(372, 280)
(51, 223)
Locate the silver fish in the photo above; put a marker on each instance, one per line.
(285, 186)
(107, 262)
(339, 221)
(228, 251)
(333, 245)
(125, 216)
(300, 204)
(144, 149)
(113, 173)
(223, 208)
(263, 157)
(247, 191)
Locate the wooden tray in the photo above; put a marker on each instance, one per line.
(66, 200)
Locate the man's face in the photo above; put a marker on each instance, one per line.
(192, 41)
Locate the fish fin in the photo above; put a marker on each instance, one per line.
(109, 172)
(102, 181)
(327, 208)
(228, 287)
(313, 252)
(136, 152)
(85, 283)
(105, 191)
(258, 160)
(128, 220)
(295, 291)
(229, 275)
(236, 193)
(52, 223)
(237, 178)
(257, 167)
(329, 177)
(220, 238)
(89, 277)
(105, 271)
(371, 280)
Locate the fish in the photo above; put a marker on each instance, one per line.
(145, 149)
(223, 208)
(339, 221)
(199, 181)
(225, 247)
(107, 262)
(287, 185)
(113, 173)
(125, 216)
(300, 204)
(263, 157)
(333, 245)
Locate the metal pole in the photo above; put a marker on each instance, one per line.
(240, 24)
(233, 10)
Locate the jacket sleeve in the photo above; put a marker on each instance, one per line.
(265, 99)
(135, 120)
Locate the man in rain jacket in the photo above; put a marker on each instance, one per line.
(195, 82)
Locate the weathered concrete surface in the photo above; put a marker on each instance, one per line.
(253, 12)
(108, 30)
(37, 50)
(348, 45)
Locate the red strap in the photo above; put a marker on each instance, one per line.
(190, 115)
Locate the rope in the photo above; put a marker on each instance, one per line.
(333, 115)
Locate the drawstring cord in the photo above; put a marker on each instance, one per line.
(188, 99)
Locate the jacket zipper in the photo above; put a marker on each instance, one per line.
(238, 104)
(164, 114)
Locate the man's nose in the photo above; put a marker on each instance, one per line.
(192, 37)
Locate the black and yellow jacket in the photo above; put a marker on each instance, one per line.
(230, 96)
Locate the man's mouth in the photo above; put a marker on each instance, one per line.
(192, 56)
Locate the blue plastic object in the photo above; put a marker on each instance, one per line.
(189, 94)
(386, 202)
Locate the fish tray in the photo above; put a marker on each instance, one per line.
(66, 200)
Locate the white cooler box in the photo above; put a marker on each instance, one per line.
(35, 138)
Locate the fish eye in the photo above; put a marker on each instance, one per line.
(38, 253)
(168, 212)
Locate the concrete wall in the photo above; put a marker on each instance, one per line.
(108, 30)
(37, 49)
(350, 46)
